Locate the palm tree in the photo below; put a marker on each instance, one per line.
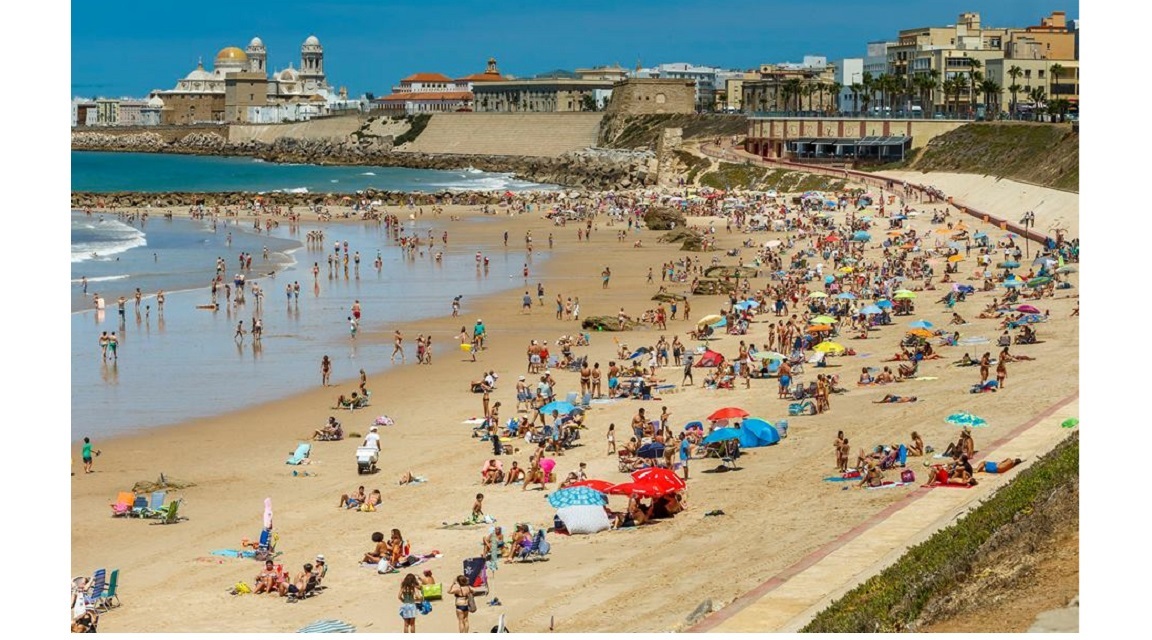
(794, 89)
(1056, 70)
(834, 90)
(857, 91)
(1014, 72)
(974, 78)
(869, 88)
(1036, 95)
(991, 90)
(809, 89)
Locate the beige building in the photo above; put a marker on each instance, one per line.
(790, 89)
(537, 95)
(1033, 74)
(968, 48)
(653, 95)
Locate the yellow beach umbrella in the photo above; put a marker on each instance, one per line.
(920, 333)
(709, 319)
(904, 295)
(846, 269)
(955, 258)
(829, 347)
(823, 320)
(817, 294)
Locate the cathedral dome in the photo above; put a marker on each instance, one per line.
(231, 56)
(312, 41)
(256, 42)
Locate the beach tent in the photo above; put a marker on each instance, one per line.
(710, 358)
(757, 432)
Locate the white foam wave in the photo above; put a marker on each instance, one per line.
(294, 190)
(101, 279)
(368, 173)
(101, 239)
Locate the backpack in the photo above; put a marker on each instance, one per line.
(907, 476)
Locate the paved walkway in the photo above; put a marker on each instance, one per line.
(793, 597)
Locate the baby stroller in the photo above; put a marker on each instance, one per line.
(366, 459)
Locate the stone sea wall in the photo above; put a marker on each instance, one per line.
(596, 169)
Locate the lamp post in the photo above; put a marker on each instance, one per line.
(1028, 221)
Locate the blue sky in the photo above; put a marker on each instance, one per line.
(130, 48)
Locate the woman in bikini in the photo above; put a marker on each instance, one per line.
(463, 594)
(985, 363)
(917, 446)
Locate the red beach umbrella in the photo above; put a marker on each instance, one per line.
(1027, 308)
(728, 412)
(660, 476)
(644, 489)
(596, 485)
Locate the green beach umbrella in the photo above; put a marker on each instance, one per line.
(1070, 423)
(904, 295)
(823, 320)
(1039, 282)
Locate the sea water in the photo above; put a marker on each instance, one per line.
(183, 362)
(103, 171)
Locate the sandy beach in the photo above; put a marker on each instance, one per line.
(777, 508)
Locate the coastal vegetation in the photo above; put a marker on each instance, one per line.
(418, 122)
(632, 131)
(1044, 154)
(1040, 503)
(750, 177)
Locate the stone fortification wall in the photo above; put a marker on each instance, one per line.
(639, 96)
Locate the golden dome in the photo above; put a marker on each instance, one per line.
(231, 54)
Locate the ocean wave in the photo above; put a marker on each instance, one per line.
(368, 173)
(293, 190)
(123, 276)
(100, 239)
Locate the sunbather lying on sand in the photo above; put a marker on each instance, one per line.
(892, 399)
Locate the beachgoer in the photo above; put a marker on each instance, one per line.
(398, 346)
(410, 596)
(86, 454)
(325, 370)
(464, 597)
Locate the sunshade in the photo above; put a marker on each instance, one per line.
(871, 310)
(592, 483)
(920, 333)
(768, 355)
(1027, 308)
(721, 435)
(965, 419)
(884, 304)
(818, 328)
(328, 626)
(651, 450)
(847, 295)
(1039, 282)
(817, 294)
(829, 347)
(904, 295)
(572, 496)
(644, 489)
(846, 269)
(559, 405)
(823, 320)
(861, 236)
(659, 476)
(1070, 422)
(921, 324)
(758, 432)
(1013, 283)
(1007, 264)
(728, 412)
(709, 319)
(1068, 268)
(955, 258)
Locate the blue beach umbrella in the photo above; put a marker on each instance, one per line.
(847, 295)
(980, 234)
(861, 236)
(871, 310)
(328, 626)
(651, 450)
(576, 496)
(920, 324)
(1013, 283)
(965, 419)
(884, 304)
(720, 435)
(563, 407)
(758, 432)
(1007, 264)
(829, 279)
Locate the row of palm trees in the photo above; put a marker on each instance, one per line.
(887, 92)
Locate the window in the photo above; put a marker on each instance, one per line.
(1040, 74)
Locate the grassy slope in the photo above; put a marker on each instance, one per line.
(1043, 154)
(630, 132)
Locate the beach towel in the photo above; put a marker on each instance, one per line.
(300, 455)
(841, 478)
(949, 484)
(473, 421)
(926, 378)
(328, 626)
(234, 553)
(973, 340)
(888, 484)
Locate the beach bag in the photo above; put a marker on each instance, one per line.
(471, 602)
(907, 476)
(425, 607)
(432, 591)
(383, 566)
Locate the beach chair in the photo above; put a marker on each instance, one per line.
(168, 515)
(586, 400)
(156, 505)
(301, 453)
(266, 547)
(139, 506)
(534, 550)
(109, 598)
(96, 589)
(123, 505)
(572, 397)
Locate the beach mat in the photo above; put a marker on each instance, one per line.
(889, 485)
(233, 553)
(328, 626)
(948, 484)
(473, 421)
(842, 478)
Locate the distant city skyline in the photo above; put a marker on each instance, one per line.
(370, 46)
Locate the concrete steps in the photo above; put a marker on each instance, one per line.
(520, 134)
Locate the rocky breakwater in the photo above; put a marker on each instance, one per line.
(594, 169)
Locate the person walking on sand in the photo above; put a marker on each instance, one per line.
(325, 370)
(464, 598)
(239, 335)
(410, 596)
(687, 380)
(605, 276)
(398, 347)
(86, 455)
(611, 438)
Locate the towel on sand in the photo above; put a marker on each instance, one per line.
(888, 485)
